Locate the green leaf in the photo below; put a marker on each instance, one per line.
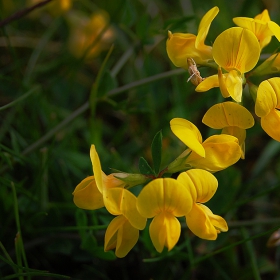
(144, 167)
(156, 151)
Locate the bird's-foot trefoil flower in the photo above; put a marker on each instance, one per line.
(261, 26)
(232, 118)
(236, 51)
(216, 153)
(267, 106)
(181, 46)
(101, 190)
(200, 220)
(164, 199)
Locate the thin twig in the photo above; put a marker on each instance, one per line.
(21, 13)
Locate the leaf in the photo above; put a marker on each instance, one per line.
(156, 151)
(145, 168)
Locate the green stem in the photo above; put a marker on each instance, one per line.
(11, 104)
(252, 255)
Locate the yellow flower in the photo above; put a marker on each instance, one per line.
(121, 235)
(217, 152)
(181, 46)
(232, 118)
(164, 199)
(200, 220)
(261, 26)
(89, 193)
(237, 51)
(89, 36)
(101, 190)
(258, 25)
(267, 107)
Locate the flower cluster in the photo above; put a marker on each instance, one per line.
(234, 54)
(183, 186)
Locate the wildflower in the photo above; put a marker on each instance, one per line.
(237, 51)
(217, 152)
(164, 199)
(200, 220)
(181, 46)
(101, 190)
(120, 235)
(258, 25)
(89, 36)
(267, 106)
(261, 26)
(232, 118)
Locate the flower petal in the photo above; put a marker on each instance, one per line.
(119, 201)
(208, 83)
(258, 26)
(87, 196)
(217, 221)
(164, 194)
(221, 151)
(96, 166)
(233, 83)
(222, 83)
(275, 29)
(205, 183)
(236, 48)
(239, 133)
(121, 235)
(271, 124)
(268, 96)
(164, 230)
(188, 133)
(204, 26)
(199, 223)
(228, 114)
(179, 47)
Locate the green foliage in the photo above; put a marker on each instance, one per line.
(54, 105)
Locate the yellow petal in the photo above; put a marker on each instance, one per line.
(236, 48)
(258, 26)
(275, 29)
(222, 83)
(188, 133)
(87, 196)
(164, 195)
(221, 151)
(268, 97)
(164, 230)
(204, 26)
(228, 114)
(217, 221)
(199, 223)
(121, 235)
(205, 183)
(263, 16)
(233, 84)
(239, 133)
(208, 83)
(271, 124)
(96, 166)
(119, 201)
(179, 47)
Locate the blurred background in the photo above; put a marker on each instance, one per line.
(76, 73)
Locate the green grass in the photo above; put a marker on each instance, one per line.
(53, 106)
